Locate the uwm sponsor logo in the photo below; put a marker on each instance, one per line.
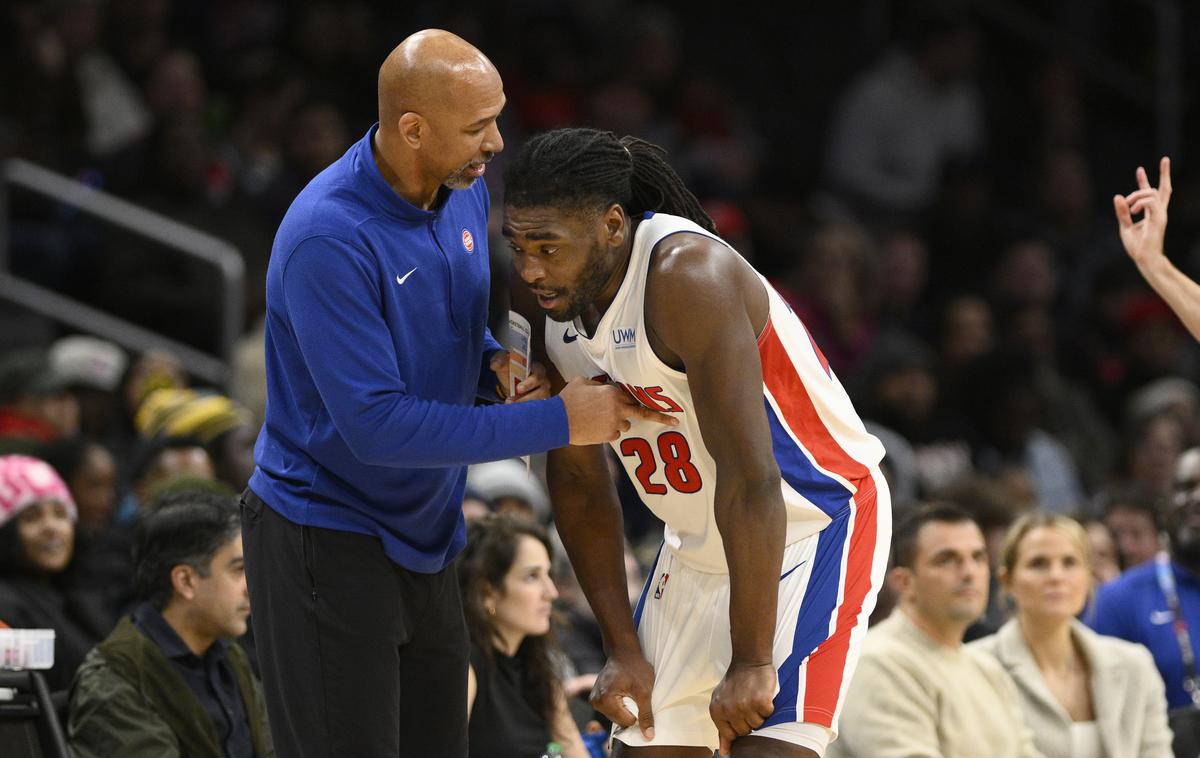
(652, 397)
(623, 338)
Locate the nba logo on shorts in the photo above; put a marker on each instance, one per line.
(468, 241)
(662, 585)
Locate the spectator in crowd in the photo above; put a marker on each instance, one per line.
(918, 690)
(1081, 693)
(37, 545)
(903, 282)
(475, 506)
(900, 390)
(1152, 445)
(169, 681)
(158, 461)
(994, 506)
(103, 566)
(224, 427)
(1173, 396)
(966, 331)
(1132, 515)
(91, 368)
(1006, 410)
(35, 406)
(833, 293)
(1138, 605)
(90, 473)
(508, 488)
(1103, 548)
(515, 695)
(159, 464)
(152, 370)
(909, 116)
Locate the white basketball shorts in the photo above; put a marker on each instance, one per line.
(827, 589)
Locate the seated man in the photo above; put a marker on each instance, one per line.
(917, 690)
(168, 681)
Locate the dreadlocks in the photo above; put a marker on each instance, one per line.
(581, 167)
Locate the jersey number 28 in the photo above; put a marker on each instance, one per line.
(676, 458)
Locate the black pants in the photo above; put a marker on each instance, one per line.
(360, 658)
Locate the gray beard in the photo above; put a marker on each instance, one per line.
(459, 180)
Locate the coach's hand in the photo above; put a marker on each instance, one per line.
(626, 675)
(601, 412)
(742, 701)
(533, 387)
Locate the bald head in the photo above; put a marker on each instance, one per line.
(439, 101)
(427, 72)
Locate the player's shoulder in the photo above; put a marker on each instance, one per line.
(685, 256)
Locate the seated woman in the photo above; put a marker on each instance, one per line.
(1083, 695)
(37, 544)
(515, 697)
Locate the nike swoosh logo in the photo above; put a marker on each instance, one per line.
(1158, 618)
(400, 279)
(569, 338)
(793, 568)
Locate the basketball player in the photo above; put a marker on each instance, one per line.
(777, 515)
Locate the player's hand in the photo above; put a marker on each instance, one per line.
(601, 412)
(1143, 239)
(626, 675)
(533, 387)
(742, 701)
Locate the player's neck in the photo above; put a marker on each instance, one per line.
(612, 285)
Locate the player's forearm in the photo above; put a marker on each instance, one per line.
(753, 528)
(1180, 292)
(591, 531)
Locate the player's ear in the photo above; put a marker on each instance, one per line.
(616, 225)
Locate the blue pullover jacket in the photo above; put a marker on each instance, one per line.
(377, 346)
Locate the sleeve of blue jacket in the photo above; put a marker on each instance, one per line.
(487, 378)
(331, 291)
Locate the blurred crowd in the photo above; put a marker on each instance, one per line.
(928, 190)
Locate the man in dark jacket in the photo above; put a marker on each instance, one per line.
(169, 681)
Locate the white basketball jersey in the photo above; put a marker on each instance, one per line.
(820, 444)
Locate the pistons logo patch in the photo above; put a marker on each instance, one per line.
(468, 241)
(661, 587)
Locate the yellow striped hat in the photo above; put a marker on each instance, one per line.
(187, 413)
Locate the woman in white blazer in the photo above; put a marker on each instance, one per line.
(1083, 695)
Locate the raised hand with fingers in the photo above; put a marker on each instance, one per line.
(1143, 239)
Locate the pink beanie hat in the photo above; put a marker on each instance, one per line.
(25, 481)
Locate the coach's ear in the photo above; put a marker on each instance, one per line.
(412, 129)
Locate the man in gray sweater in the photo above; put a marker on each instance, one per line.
(918, 691)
